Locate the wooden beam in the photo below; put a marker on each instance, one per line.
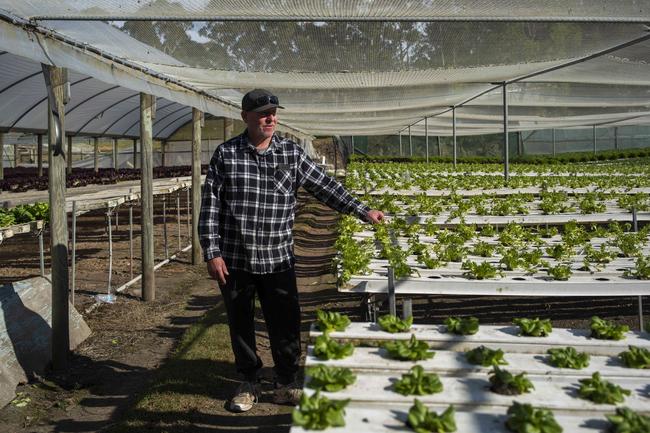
(196, 184)
(55, 80)
(146, 182)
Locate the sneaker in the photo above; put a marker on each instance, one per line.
(245, 397)
(287, 394)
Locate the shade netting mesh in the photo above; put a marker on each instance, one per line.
(375, 67)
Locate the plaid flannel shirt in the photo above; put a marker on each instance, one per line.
(248, 202)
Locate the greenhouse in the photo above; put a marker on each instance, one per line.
(420, 216)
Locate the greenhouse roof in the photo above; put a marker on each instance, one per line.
(339, 67)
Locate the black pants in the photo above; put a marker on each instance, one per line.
(278, 295)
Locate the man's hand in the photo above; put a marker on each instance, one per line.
(217, 270)
(375, 216)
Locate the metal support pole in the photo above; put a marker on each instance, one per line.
(2, 155)
(41, 252)
(115, 154)
(520, 144)
(400, 143)
(164, 211)
(407, 308)
(96, 154)
(16, 154)
(635, 227)
(195, 205)
(55, 81)
(616, 138)
(506, 156)
(39, 154)
(594, 134)
(163, 145)
(554, 150)
(188, 213)
(178, 219)
(426, 137)
(131, 240)
(135, 153)
(69, 155)
(453, 120)
(410, 143)
(352, 144)
(439, 146)
(391, 291)
(146, 182)
(73, 285)
(109, 226)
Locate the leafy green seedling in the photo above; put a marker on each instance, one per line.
(534, 327)
(560, 272)
(422, 420)
(330, 378)
(317, 412)
(485, 356)
(641, 269)
(393, 324)
(601, 391)
(462, 325)
(326, 348)
(412, 350)
(636, 357)
(481, 271)
(504, 382)
(626, 420)
(331, 321)
(417, 382)
(568, 357)
(607, 330)
(524, 418)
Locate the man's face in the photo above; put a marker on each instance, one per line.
(260, 125)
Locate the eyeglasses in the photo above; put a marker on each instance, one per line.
(266, 99)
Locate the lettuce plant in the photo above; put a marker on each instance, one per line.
(412, 350)
(636, 357)
(607, 330)
(568, 357)
(560, 272)
(327, 348)
(483, 249)
(601, 391)
(641, 269)
(422, 420)
(417, 382)
(626, 420)
(393, 324)
(481, 271)
(524, 418)
(485, 356)
(462, 325)
(317, 412)
(504, 382)
(330, 378)
(534, 327)
(331, 321)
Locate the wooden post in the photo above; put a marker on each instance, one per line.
(228, 128)
(54, 78)
(146, 182)
(115, 154)
(69, 155)
(2, 155)
(196, 184)
(96, 153)
(135, 153)
(39, 154)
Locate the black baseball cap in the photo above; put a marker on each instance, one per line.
(259, 100)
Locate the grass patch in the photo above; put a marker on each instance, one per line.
(186, 388)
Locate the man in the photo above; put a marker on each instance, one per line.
(247, 215)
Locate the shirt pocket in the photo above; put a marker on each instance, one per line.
(283, 181)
